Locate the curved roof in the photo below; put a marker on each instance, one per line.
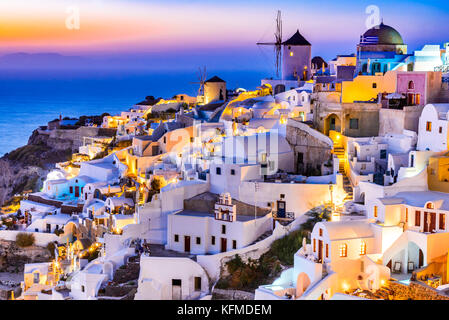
(382, 34)
(348, 229)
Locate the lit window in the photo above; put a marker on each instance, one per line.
(343, 250)
(375, 211)
(327, 250)
(321, 232)
(430, 205)
(314, 245)
(406, 215)
(362, 248)
(291, 53)
(428, 126)
(374, 85)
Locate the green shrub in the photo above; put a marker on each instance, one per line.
(51, 248)
(285, 248)
(25, 239)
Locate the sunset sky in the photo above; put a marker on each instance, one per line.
(175, 27)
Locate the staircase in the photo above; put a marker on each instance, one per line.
(263, 236)
(339, 152)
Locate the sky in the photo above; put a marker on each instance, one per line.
(175, 32)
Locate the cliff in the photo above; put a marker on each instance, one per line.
(26, 167)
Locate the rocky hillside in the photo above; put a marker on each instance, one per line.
(26, 167)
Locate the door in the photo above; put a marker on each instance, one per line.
(176, 293)
(187, 243)
(320, 250)
(421, 258)
(77, 192)
(224, 244)
(281, 209)
(426, 222)
(433, 221)
(48, 228)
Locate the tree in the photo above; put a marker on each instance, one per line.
(158, 183)
(316, 215)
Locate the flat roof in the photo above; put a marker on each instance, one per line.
(191, 213)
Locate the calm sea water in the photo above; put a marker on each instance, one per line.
(31, 99)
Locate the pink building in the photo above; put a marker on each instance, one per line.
(419, 87)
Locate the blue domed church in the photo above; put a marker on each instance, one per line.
(382, 49)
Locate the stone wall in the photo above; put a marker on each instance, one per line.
(221, 294)
(414, 291)
(315, 152)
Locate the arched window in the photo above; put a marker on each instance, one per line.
(411, 85)
(343, 250)
(430, 205)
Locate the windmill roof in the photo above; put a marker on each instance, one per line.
(215, 79)
(297, 40)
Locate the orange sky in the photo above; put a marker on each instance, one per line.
(155, 25)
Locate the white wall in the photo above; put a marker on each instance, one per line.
(157, 273)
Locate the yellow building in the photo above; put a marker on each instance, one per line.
(365, 88)
(438, 173)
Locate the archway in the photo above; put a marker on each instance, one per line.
(302, 283)
(332, 122)
(415, 256)
(279, 88)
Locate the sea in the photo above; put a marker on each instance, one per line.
(29, 99)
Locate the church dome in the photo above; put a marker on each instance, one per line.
(381, 34)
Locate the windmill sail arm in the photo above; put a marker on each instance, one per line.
(266, 43)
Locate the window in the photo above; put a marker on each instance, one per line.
(327, 250)
(176, 237)
(375, 211)
(314, 245)
(374, 85)
(197, 283)
(353, 123)
(36, 277)
(430, 205)
(383, 154)
(192, 139)
(232, 172)
(417, 218)
(440, 130)
(70, 189)
(234, 244)
(213, 240)
(411, 85)
(223, 229)
(321, 232)
(363, 166)
(442, 221)
(176, 282)
(291, 53)
(218, 171)
(165, 139)
(282, 196)
(343, 250)
(428, 126)
(362, 248)
(198, 240)
(82, 289)
(406, 215)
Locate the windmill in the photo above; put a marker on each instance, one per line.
(201, 81)
(277, 43)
